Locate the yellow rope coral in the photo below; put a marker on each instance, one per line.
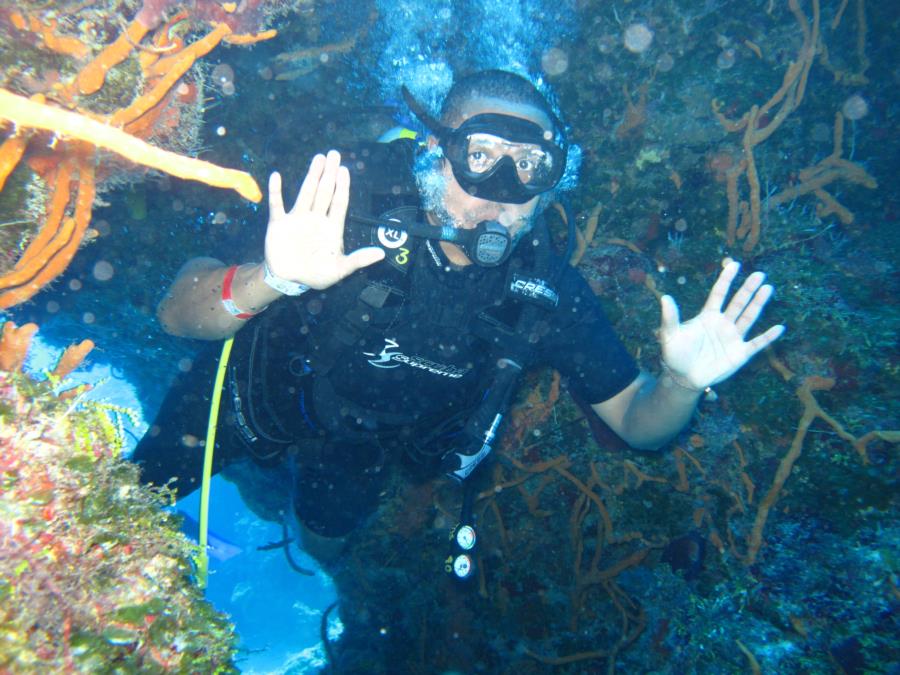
(25, 113)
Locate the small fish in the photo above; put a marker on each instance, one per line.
(216, 546)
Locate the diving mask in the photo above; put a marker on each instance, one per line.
(500, 158)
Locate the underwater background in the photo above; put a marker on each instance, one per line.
(764, 539)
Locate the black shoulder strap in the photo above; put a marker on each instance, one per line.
(381, 182)
(531, 288)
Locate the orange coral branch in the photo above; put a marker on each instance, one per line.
(18, 277)
(813, 179)
(811, 412)
(680, 453)
(30, 114)
(787, 98)
(67, 46)
(250, 39)
(93, 75)
(75, 128)
(845, 76)
(629, 467)
(171, 68)
(863, 441)
(635, 113)
(14, 342)
(731, 191)
(585, 237)
(10, 154)
(60, 179)
(61, 44)
(57, 263)
(72, 358)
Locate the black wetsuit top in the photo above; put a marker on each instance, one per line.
(427, 361)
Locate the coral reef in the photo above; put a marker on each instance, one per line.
(763, 539)
(91, 93)
(94, 575)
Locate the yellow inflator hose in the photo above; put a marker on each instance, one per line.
(203, 563)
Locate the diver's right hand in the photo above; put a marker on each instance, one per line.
(306, 244)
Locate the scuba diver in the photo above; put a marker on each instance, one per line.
(396, 303)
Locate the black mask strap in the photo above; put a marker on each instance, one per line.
(424, 116)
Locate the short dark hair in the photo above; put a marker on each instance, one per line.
(492, 83)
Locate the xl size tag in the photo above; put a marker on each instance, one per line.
(396, 242)
(391, 236)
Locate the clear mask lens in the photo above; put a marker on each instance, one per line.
(533, 165)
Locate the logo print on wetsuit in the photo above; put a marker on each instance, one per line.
(384, 357)
(393, 359)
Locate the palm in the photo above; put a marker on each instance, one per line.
(306, 244)
(711, 347)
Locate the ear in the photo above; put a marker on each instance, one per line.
(432, 142)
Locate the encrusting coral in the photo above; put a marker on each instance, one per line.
(94, 575)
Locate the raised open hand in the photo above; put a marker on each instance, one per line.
(711, 347)
(306, 244)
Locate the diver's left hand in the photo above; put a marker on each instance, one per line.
(711, 347)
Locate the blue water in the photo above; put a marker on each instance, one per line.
(277, 611)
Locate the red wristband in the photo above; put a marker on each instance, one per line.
(227, 300)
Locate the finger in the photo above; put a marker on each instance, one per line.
(720, 289)
(276, 203)
(325, 191)
(362, 257)
(744, 296)
(753, 310)
(670, 315)
(760, 342)
(310, 184)
(338, 211)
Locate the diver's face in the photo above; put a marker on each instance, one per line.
(465, 211)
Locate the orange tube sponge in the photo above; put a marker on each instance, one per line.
(30, 114)
(65, 243)
(170, 71)
(10, 154)
(251, 38)
(59, 200)
(72, 358)
(61, 44)
(14, 344)
(92, 77)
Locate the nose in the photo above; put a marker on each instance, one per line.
(486, 210)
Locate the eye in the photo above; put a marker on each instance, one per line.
(525, 165)
(478, 161)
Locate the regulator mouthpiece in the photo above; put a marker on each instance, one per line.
(488, 245)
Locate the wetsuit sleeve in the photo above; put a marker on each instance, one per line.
(582, 345)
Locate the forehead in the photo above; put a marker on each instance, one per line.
(490, 104)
